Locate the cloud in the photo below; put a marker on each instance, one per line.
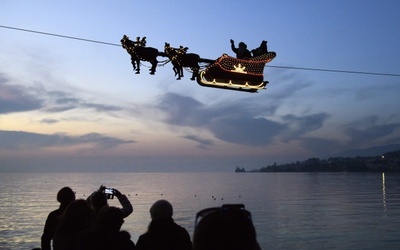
(246, 130)
(370, 130)
(59, 101)
(48, 121)
(14, 140)
(366, 132)
(100, 107)
(203, 143)
(15, 98)
(294, 83)
(246, 122)
(242, 122)
(257, 123)
(182, 110)
(301, 125)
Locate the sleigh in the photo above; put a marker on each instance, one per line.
(226, 72)
(236, 74)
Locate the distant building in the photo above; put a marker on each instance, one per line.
(239, 170)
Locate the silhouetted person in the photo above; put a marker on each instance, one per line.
(225, 228)
(241, 52)
(263, 49)
(163, 233)
(98, 200)
(75, 219)
(64, 196)
(106, 234)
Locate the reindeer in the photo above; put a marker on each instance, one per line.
(180, 59)
(139, 52)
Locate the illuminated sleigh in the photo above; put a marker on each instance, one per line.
(236, 74)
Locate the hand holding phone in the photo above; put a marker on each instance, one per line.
(109, 192)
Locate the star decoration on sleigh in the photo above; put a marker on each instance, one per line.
(239, 69)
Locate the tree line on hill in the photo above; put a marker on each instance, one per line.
(388, 162)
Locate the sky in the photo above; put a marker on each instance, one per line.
(71, 105)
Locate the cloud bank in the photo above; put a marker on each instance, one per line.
(241, 123)
(15, 98)
(19, 98)
(19, 140)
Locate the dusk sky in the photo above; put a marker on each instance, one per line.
(72, 105)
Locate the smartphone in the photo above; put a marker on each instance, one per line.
(109, 192)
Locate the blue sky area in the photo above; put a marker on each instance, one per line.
(71, 105)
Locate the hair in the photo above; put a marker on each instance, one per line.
(161, 209)
(77, 216)
(65, 195)
(224, 229)
(106, 227)
(109, 219)
(98, 200)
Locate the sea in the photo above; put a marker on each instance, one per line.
(289, 210)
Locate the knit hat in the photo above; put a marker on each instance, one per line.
(161, 209)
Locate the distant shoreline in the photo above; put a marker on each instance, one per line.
(388, 162)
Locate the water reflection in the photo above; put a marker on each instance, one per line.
(384, 193)
(290, 210)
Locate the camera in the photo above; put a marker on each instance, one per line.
(109, 193)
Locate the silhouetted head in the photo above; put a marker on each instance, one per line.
(227, 227)
(124, 40)
(109, 219)
(65, 195)
(242, 45)
(98, 200)
(77, 216)
(160, 210)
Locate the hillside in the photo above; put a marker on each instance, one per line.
(387, 162)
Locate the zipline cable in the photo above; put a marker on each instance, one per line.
(57, 35)
(336, 71)
(270, 66)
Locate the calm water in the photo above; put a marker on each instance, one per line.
(290, 210)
